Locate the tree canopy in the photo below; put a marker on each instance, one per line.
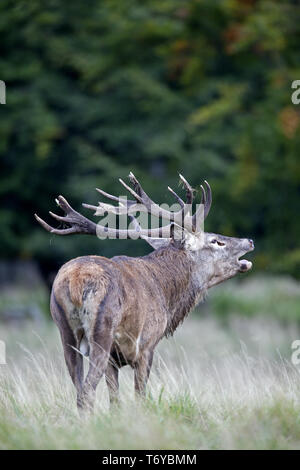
(99, 88)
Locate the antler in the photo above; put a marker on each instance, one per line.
(179, 221)
(79, 223)
(143, 203)
(206, 201)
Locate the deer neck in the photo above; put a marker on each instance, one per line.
(181, 284)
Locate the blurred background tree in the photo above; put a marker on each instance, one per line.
(98, 88)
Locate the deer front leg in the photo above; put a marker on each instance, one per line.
(141, 372)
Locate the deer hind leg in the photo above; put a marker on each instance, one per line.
(100, 342)
(141, 372)
(73, 359)
(112, 381)
(116, 362)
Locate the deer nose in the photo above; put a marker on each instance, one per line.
(251, 242)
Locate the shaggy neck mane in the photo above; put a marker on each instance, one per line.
(174, 271)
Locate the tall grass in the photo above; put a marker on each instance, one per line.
(272, 297)
(211, 387)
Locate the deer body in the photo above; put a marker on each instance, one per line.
(117, 310)
(132, 302)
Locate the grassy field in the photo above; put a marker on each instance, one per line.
(216, 385)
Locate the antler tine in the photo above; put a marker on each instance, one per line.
(132, 192)
(78, 223)
(59, 217)
(180, 201)
(125, 202)
(43, 223)
(156, 210)
(63, 204)
(208, 201)
(150, 205)
(98, 210)
(102, 208)
(203, 195)
(147, 201)
(141, 198)
(139, 192)
(189, 190)
(137, 186)
(67, 231)
(110, 196)
(90, 206)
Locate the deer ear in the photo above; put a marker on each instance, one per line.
(156, 243)
(193, 242)
(189, 241)
(176, 232)
(184, 238)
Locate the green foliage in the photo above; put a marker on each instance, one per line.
(272, 298)
(98, 88)
(22, 303)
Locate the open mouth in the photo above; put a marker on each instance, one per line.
(244, 265)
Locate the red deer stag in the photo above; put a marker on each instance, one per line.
(117, 310)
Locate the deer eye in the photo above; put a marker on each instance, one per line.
(214, 241)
